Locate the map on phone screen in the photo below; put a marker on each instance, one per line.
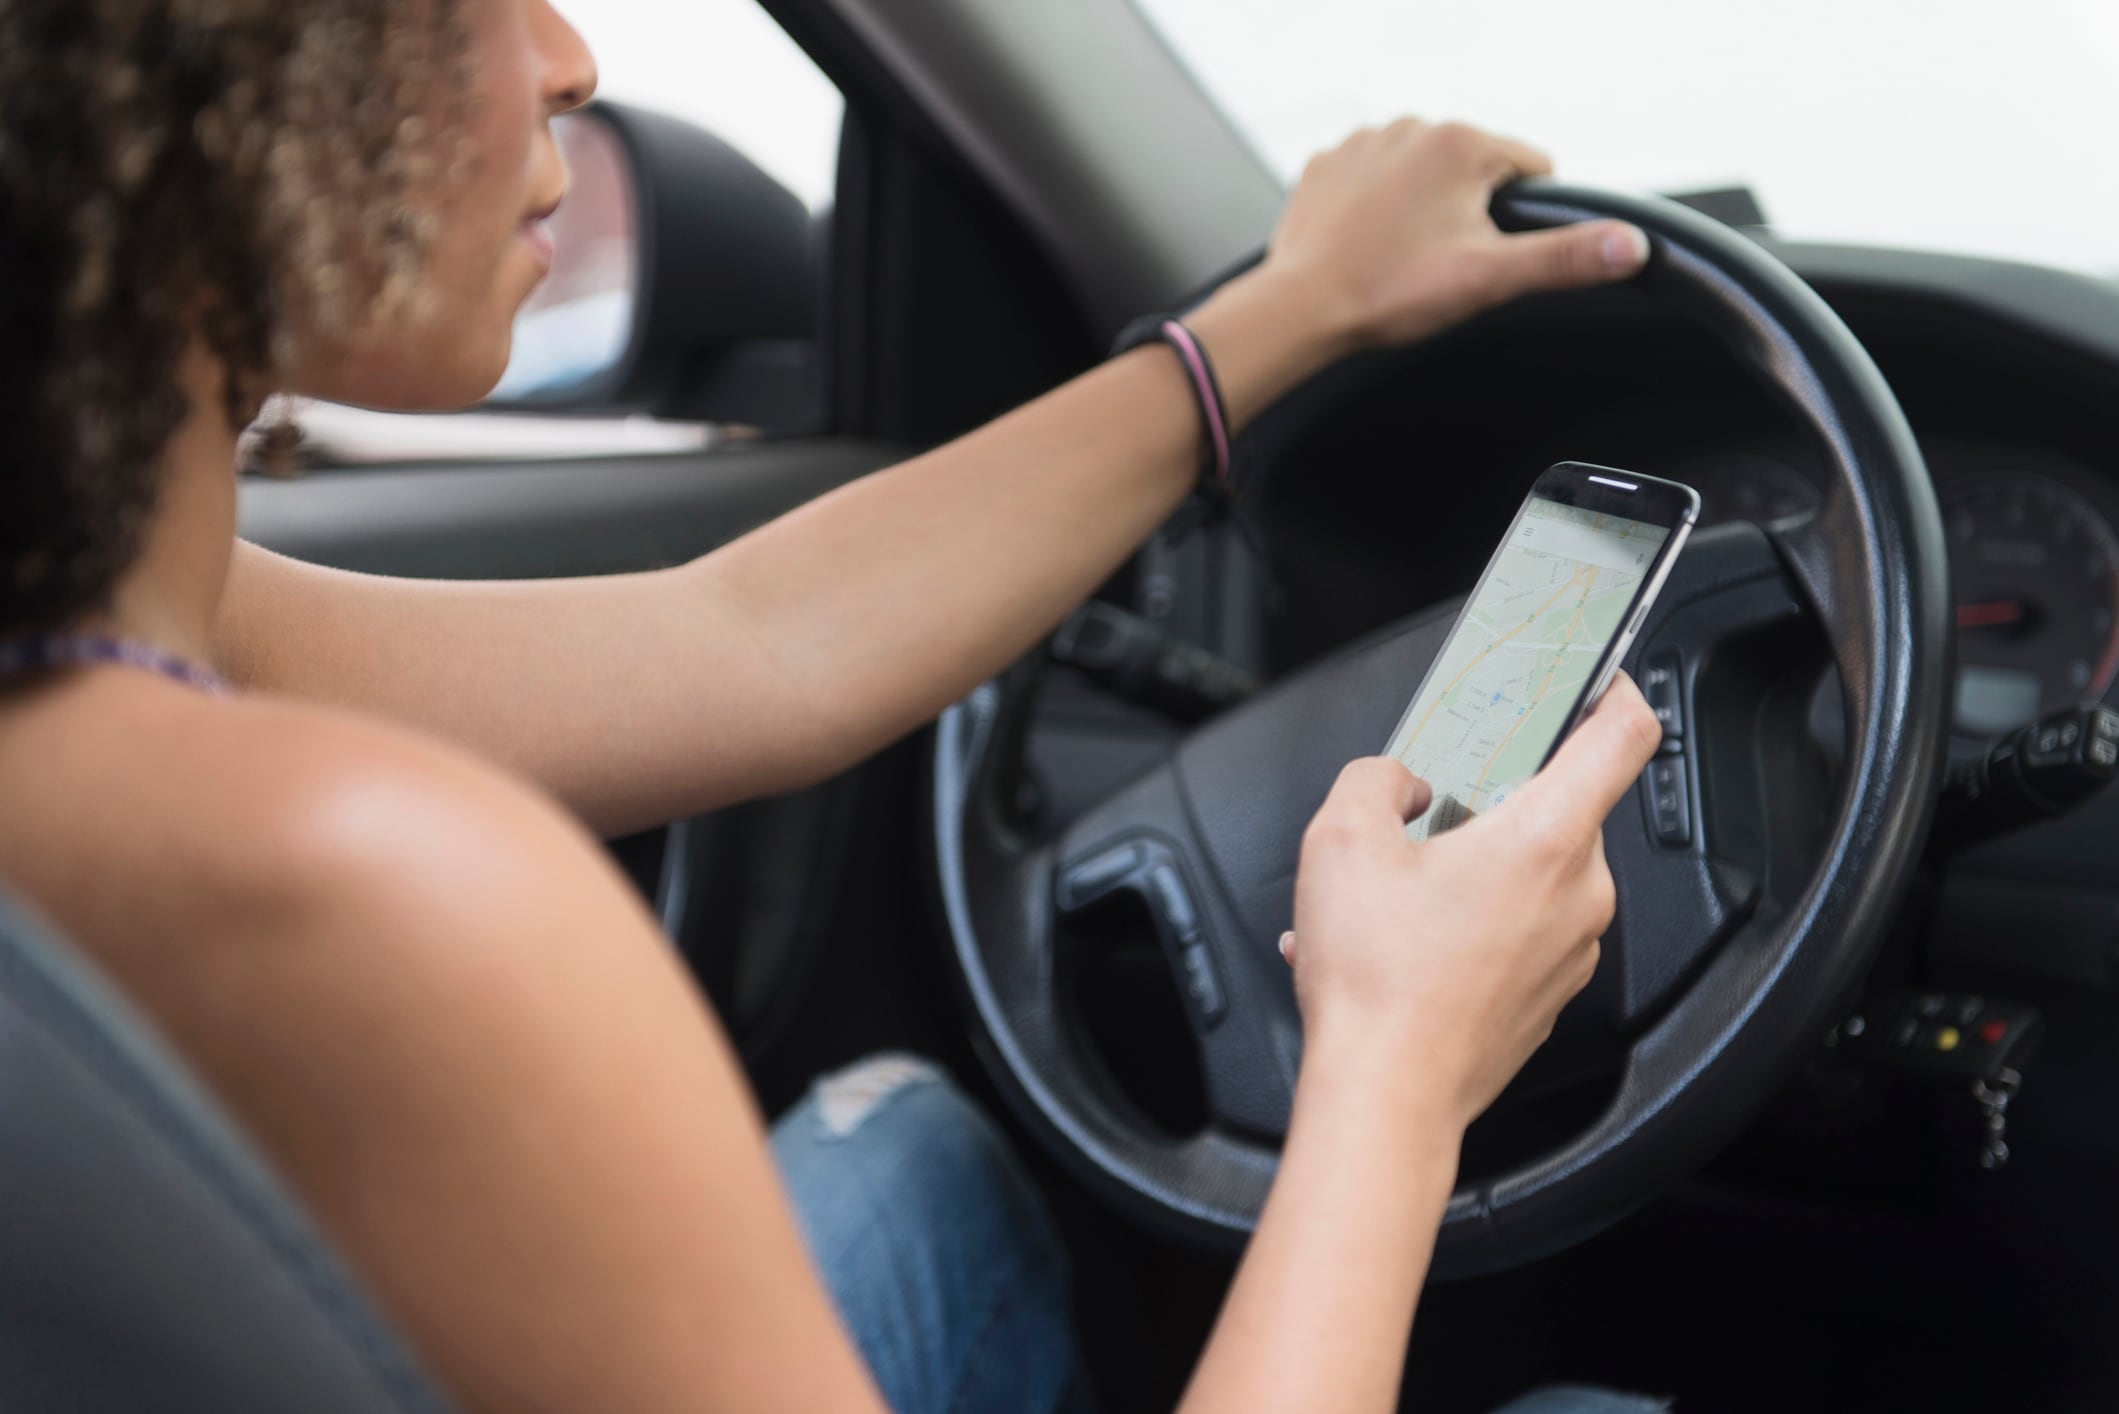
(1513, 673)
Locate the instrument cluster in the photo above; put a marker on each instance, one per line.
(2034, 568)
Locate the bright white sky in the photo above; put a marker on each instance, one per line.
(726, 66)
(1946, 124)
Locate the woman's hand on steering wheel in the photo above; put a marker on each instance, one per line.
(1390, 231)
(1449, 959)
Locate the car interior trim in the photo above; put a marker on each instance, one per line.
(1132, 224)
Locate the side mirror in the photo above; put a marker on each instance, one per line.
(685, 284)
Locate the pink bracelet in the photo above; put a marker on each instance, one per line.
(1206, 389)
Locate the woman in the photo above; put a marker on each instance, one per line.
(355, 890)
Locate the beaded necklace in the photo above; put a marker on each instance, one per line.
(45, 652)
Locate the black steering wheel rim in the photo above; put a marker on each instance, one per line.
(1721, 1022)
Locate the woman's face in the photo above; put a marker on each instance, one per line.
(489, 250)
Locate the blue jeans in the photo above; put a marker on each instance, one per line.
(939, 1254)
(1582, 1399)
(932, 1241)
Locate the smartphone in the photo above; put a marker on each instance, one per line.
(1541, 636)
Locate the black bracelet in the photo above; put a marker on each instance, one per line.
(1215, 488)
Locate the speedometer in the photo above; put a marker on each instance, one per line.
(2035, 572)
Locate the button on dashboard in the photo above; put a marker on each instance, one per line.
(1659, 684)
(1203, 984)
(1090, 880)
(1173, 901)
(1668, 803)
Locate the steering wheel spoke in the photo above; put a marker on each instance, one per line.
(1241, 1011)
(1683, 887)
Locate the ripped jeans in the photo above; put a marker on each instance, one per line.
(933, 1242)
(939, 1254)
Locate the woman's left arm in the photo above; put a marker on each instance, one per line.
(807, 645)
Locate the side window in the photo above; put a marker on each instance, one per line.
(726, 66)
(722, 65)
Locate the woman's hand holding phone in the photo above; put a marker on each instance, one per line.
(1427, 972)
(1445, 962)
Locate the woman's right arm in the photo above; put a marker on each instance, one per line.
(545, 1160)
(542, 1158)
(1427, 974)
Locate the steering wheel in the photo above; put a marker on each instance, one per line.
(1755, 872)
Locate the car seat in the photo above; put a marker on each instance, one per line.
(148, 1257)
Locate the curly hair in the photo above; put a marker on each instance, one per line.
(173, 173)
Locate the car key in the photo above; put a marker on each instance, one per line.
(1975, 1041)
(1993, 1098)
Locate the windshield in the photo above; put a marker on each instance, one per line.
(1930, 124)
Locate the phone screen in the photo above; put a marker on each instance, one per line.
(1527, 650)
